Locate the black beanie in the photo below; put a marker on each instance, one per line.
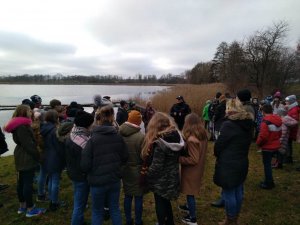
(244, 95)
(83, 119)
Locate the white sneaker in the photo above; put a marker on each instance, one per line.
(188, 220)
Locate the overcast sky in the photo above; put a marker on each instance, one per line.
(127, 37)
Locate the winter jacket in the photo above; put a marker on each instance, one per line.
(3, 144)
(122, 116)
(163, 173)
(26, 153)
(179, 111)
(192, 166)
(231, 150)
(131, 171)
(219, 115)
(54, 150)
(293, 111)
(287, 124)
(147, 115)
(205, 115)
(104, 155)
(73, 159)
(270, 133)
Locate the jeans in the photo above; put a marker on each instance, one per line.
(53, 186)
(267, 161)
(41, 181)
(190, 199)
(233, 200)
(112, 192)
(163, 210)
(138, 208)
(24, 187)
(81, 194)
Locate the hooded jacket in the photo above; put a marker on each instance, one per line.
(54, 150)
(231, 150)
(133, 138)
(104, 155)
(270, 133)
(163, 173)
(26, 153)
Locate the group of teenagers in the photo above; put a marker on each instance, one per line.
(103, 152)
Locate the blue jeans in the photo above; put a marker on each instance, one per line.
(190, 199)
(99, 193)
(41, 181)
(81, 194)
(233, 200)
(267, 161)
(138, 208)
(53, 187)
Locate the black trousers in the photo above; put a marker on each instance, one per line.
(163, 210)
(24, 187)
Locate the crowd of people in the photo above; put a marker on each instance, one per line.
(103, 152)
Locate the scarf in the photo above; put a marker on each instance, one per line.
(80, 136)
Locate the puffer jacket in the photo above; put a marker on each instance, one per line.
(54, 150)
(231, 150)
(270, 133)
(163, 173)
(133, 138)
(104, 155)
(26, 153)
(293, 111)
(287, 124)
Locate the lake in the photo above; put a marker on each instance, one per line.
(82, 94)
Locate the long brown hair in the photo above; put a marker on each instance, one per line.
(194, 127)
(22, 111)
(160, 123)
(104, 114)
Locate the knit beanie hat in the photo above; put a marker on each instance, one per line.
(36, 99)
(83, 119)
(134, 117)
(244, 95)
(291, 99)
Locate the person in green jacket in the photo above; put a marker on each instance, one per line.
(205, 114)
(133, 137)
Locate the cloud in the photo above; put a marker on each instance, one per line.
(132, 36)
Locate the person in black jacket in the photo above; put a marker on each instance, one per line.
(219, 115)
(179, 111)
(3, 149)
(79, 136)
(231, 151)
(102, 158)
(122, 114)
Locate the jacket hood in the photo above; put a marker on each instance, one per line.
(15, 122)
(104, 129)
(172, 140)
(242, 119)
(274, 119)
(46, 128)
(128, 129)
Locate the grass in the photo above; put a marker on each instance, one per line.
(277, 207)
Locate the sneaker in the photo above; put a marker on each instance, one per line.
(189, 220)
(267, 186)
(22, 210)
(106, 214)
(42, 198)
(219, 203)
(183, 208)
(35, 212)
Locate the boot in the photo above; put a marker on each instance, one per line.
(229, 221)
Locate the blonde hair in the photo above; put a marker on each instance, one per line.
(22, 111)
(104, 114)
(194, 127)
(160, 123)
(234, 105)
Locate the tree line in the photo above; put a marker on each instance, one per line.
(262, 62)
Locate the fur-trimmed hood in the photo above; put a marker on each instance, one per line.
(239, 115)
(15, 122)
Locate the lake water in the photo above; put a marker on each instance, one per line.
(82, 94)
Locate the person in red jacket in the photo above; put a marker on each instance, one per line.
(269, 142)
(293, 111)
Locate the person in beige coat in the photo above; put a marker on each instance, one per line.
(192, 164)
